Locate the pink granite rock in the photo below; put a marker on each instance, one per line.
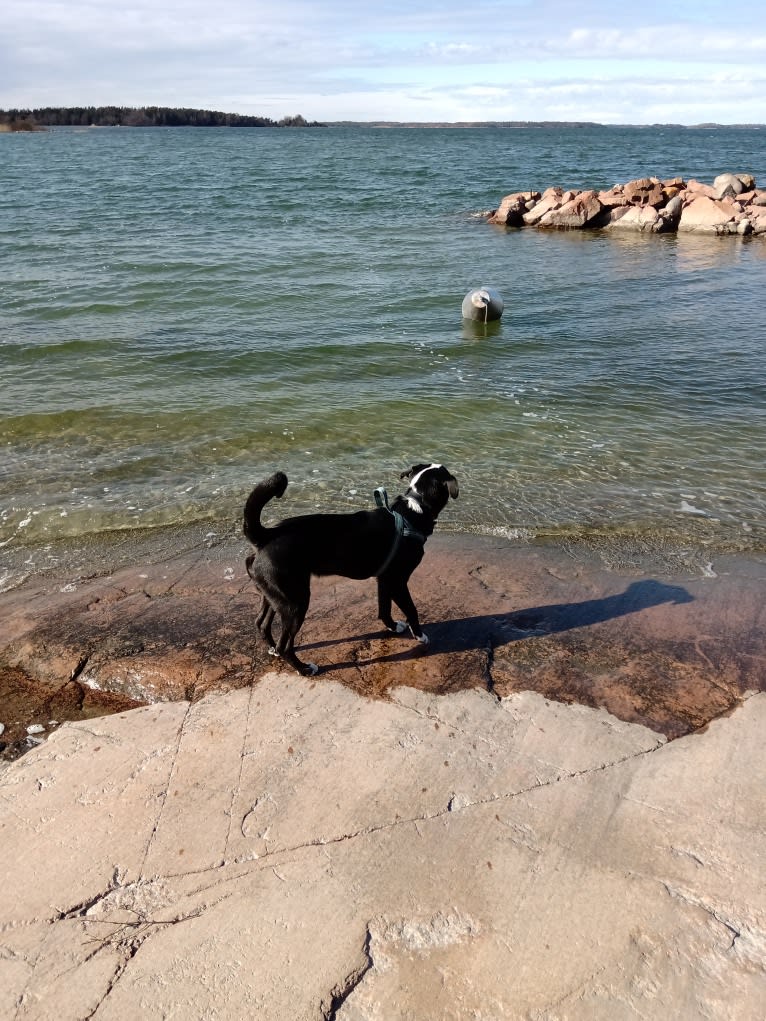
(698, 188)
(617, 213)
(672, 210)
(704, 215)
(584, 210)
(676, 183)
(511, 210)
(638, 218)
(296, 852)
(552, 198)
(728, 185)
(732, 205)
(645, 192)
(613, 198)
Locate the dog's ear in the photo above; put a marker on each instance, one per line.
(452, 488)
(408, 474)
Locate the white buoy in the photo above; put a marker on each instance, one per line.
(483, 305)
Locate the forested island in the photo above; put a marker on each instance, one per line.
(138, 117)
(41, 118)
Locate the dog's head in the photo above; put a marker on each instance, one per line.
(431, 486)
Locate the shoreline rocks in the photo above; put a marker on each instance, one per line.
(653, 641)
(564, 793)
(732, 205)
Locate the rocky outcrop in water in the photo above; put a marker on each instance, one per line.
(731, 205)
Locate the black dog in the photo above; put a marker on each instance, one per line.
(387, 543)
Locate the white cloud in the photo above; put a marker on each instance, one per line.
(417, 60)
(672, 42)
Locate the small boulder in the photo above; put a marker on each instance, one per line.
(552, 198)
(617, 213)
(673, 208)
(584, 210)
(637, 218)
(613, 197)
(511, 210)
(728, 185)
(647, 191)
(704, 215)
(698, 188)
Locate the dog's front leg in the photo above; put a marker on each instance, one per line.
(401, 596)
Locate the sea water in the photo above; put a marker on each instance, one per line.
(184, 311)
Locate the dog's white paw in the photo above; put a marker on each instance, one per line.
(273, 651)
(311, 669)
(400, 626)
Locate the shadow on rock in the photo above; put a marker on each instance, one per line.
(457, 635)
(464, 633)
(615, 652)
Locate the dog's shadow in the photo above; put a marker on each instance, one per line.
(465, 633)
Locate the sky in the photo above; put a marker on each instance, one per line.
(615, 63)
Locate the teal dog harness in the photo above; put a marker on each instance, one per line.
(404, 529)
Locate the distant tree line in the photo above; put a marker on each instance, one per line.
(139, 117)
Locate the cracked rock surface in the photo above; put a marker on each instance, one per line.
(555, 813)
(290, 850)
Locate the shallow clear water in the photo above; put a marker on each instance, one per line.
(184, 311)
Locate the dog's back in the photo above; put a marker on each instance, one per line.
(352, 545)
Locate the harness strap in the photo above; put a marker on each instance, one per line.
(403, 528)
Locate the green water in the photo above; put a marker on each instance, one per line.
(185, 311)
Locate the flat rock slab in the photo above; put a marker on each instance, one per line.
(670, 649)
(291, 850)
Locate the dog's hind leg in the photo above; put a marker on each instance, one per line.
(384, 608)
(292, 610)
(270, 602)
(265, 616)
(286, 650)
(263, 623)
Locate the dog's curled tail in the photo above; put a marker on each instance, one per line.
(274, 485)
